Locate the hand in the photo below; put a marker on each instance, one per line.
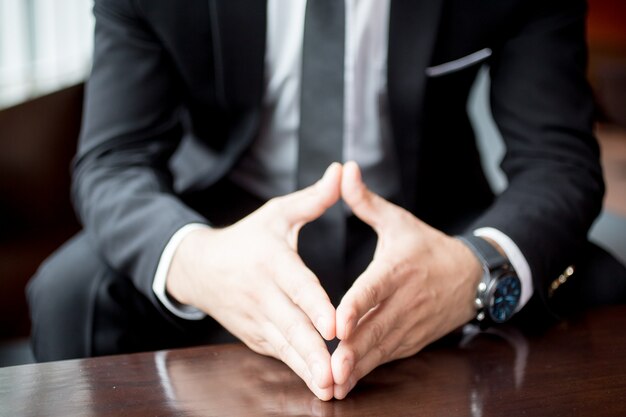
(419, 286)
(250, 279)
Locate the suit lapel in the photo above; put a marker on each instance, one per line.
(413, 26)
(238, 29)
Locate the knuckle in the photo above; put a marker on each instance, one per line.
(291, 331)
(406, 349)
(310, 358)
(381, 351)
(258, 344)
(307, 297)
(297, 293)
(283, 351)
(350, 354)
(377, 332)
(370, 294)
(347, 313)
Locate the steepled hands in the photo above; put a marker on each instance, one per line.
(248, 276)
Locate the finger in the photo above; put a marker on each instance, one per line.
(304, 290)
(308, 204)
(285, 352)
(366, 365)
(371, 335)
(383, 351)
(365, 204)
(368, 291)
(390, 350)
(298, 332)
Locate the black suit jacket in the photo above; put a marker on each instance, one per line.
(175, 95)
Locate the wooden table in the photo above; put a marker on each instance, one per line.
(574, 368)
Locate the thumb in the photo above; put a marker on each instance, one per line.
(308, 204)
(365, 204)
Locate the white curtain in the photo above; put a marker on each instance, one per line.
(44, 45)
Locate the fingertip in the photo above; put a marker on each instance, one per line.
(333, 172)
(350, 173)
(323, 395)
(352, 168)
(335, 365)
(335, 166)
(330, 184)
(352, 186)
(325, 325)
(331, 331)
(311, 202)
(345, 319)
(342, 391)
(322, 376)
(342, 364)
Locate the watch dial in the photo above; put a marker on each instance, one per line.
(505, 298)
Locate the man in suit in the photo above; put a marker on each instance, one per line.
(185, 180)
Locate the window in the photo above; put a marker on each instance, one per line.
(45, 45)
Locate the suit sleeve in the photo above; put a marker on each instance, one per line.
(122, 187)
(543, 106)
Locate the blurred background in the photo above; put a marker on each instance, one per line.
(45, 56)
(45, 45)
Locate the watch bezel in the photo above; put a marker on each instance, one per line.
(498, 277)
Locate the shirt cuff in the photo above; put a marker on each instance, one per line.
(517, 259)
(158, 285)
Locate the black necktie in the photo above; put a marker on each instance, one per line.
(322, 243)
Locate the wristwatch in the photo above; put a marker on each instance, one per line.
(499, 291)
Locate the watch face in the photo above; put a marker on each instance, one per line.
(505, 298)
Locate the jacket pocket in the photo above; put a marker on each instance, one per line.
(459, 64)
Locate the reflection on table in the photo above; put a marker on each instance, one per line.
(577, 367)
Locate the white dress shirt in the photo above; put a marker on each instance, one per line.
(269, 168)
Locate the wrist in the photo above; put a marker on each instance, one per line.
(471, 271)
(499, 291)
(180, 279)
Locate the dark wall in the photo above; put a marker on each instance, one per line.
(37, 143)
(607, 45)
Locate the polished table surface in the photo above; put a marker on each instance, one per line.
(577, 367)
